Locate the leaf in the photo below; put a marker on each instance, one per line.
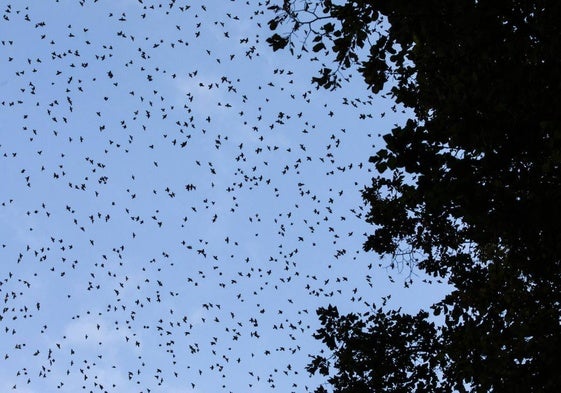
(277, 42)
(319, 46)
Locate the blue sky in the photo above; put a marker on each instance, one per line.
(113, 271)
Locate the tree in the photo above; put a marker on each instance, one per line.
(472, 183)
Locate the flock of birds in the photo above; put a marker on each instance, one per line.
(177, 199)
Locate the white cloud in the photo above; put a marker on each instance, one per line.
(89, 331)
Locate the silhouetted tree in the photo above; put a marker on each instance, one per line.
(471, 183)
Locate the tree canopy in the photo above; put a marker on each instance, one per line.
(469, 186)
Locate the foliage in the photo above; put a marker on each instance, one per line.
(472, 183)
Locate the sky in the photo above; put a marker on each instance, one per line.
(177, 200)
